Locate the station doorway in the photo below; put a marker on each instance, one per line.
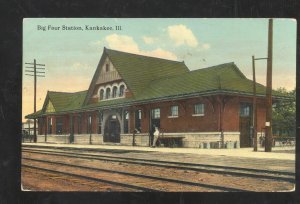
(246, 125)
(112, 130)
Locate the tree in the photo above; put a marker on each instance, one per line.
(284, 114)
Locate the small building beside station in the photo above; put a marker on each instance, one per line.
(131, 94)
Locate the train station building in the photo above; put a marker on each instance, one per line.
(131, 94)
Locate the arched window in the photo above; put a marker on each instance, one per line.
(107, 93)
(101, 94)
(121, 93)
(114, 92)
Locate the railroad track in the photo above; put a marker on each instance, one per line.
(245, 162)
(62, 174)
(204, 168)
(139, 178)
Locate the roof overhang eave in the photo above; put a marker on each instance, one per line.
(158, 99)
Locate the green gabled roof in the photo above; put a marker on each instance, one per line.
(153, 79)
(138, 71)
(225, 77)
(34, 115)
(63, 101)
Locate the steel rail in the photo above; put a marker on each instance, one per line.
(181, 182)
(184, 166)
(91, 178)
(167, 162)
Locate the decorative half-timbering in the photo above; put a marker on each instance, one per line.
(131, 94)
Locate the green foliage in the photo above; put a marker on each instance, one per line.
(284, 114)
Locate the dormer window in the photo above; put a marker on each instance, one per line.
(107, 67)
(114, 92)
(101, 94)
(107, 93)
(121, 93)
(111, 91)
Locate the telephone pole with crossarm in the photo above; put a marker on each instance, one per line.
(33, 71)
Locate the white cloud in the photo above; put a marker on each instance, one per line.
(148, 40)
(182, 35)
(122, 43)
(127, 44)
(206, 45)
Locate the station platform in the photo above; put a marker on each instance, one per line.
(282, 153)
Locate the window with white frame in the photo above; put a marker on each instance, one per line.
(107, 93)
(101, 94)
(89, 124)
(114, 92)
(126, 122)
(138, 119)
(121, 92)
(199, 109)
(174, 111)
(49, 126)
(156, 113)
(245, 110)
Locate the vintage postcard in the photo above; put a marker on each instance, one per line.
(168, 105)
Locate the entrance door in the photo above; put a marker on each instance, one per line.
(154, 122)
(112, 130)
(245, 125)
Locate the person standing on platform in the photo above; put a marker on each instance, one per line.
(156, 135)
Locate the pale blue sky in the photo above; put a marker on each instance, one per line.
(71, 57)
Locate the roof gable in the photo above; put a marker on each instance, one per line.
(62, 101)
(49, 108)
(138, 71)
(111, 74)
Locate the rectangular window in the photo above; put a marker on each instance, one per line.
(100, 118)
(49, 126)
(199, 109)
(59, 125)
(156, 113)
(89, 124)
(245, 110)
(126, 121)
(174, 111)
(138, 118)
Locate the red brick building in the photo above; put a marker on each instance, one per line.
(130, 94)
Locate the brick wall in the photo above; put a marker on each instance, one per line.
(185, 122)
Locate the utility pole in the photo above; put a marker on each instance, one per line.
(33, 70)
(254, 116)
(269, 138)
(254, 107)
